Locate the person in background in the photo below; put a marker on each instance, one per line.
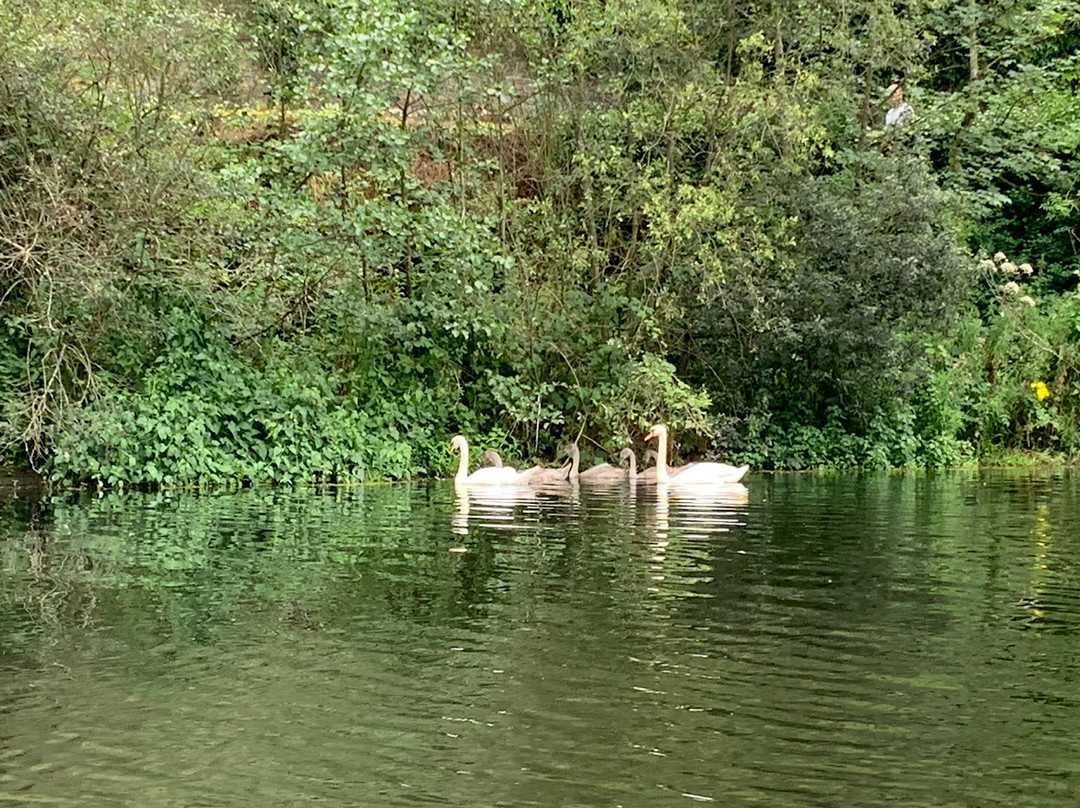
(900, 112)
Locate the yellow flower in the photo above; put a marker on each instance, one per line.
(1042, 392)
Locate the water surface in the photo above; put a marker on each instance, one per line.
(806, 641)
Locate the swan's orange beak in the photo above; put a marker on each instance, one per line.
(650, 435)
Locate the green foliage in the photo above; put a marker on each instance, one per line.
(100, 107)
(313, 240)
(283, 427)
(921, 433)
(1001, 120)
(205, 415)
(818, 344)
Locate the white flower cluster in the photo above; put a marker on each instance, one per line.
(1000, 263)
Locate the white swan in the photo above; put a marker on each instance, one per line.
(694, 473)
(492, 475)
(648, 475)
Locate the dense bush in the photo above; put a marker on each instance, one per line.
(298, 240)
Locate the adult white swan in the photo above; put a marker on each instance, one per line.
(491, 475)
(694, 473)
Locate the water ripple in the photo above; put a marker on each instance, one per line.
(801, 641)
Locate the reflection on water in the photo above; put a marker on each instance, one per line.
(797, 641)
(700, 510)
(490, 506)
(709, 509)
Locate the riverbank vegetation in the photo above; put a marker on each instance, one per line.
(311, 239)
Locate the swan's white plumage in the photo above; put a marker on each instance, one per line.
(494, 475)
(693, 473)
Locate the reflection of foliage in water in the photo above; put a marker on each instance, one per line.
(188, 569)
(191, 564)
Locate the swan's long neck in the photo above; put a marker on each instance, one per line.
(631, 462)
(662, 475)
(575, 461)
(463, 463)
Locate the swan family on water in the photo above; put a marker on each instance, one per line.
(690, 474)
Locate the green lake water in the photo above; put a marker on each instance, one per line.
(855, 640)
